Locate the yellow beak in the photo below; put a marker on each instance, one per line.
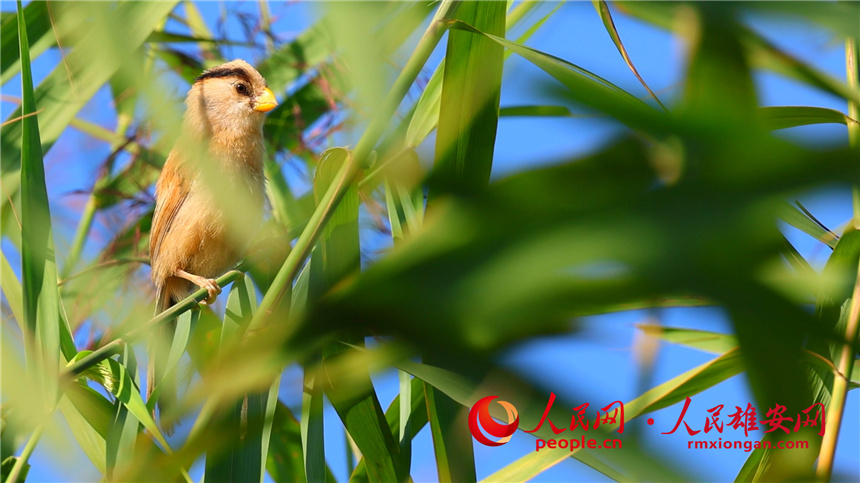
(266, 101)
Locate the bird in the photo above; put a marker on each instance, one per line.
(209, 198)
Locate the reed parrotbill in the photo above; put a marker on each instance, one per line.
(209, 196)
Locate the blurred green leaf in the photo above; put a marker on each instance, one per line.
(88, 438)
(60, 98)
(12, 292)
(782, 117)
(712, 342)
(761, 52)
(41, 34)
(538, 111)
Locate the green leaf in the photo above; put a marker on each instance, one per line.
(469, 112)
(606, 16)
(417, 414)
(47, 337)
(586, 87)
(337, 256)
(122, 436)
(120, 383)
(713, 342)
(782, 117)
(466, 134)
(89, 440)
(761, 53)
(313, 444)
(803, 222)
(535, 111)
(177, 336)
(250, 418)
(285, 463)
(426, 116)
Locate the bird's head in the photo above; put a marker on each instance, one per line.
(229, 98)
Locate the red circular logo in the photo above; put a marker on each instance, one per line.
(481, 411)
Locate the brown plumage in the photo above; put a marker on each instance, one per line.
(209, 196)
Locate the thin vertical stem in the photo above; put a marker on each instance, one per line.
(350, 169)
(18, 467)
(846, 355)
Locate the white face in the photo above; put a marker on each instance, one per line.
(229, 103)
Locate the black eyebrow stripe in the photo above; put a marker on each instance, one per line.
(218, 73)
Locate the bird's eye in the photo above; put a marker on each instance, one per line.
(241, 88)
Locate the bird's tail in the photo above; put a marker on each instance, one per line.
(156, 374)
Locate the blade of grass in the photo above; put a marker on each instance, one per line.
(417, 414)
(782, 117)
(761, 52)
(249, 417)
(285, 462)
(802, 221)
(337, 256)
(466, 133)
(585, 86)
(606, 16)
(47, 338)
(426, 116)
(124, 428)
(713, 342)
(89, 440)
(313, 444)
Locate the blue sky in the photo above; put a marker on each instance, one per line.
(597, 361)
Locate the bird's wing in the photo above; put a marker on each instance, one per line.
(170, 193)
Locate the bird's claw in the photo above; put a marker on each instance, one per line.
(213, 288)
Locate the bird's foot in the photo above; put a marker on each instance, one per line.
(209, 284)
